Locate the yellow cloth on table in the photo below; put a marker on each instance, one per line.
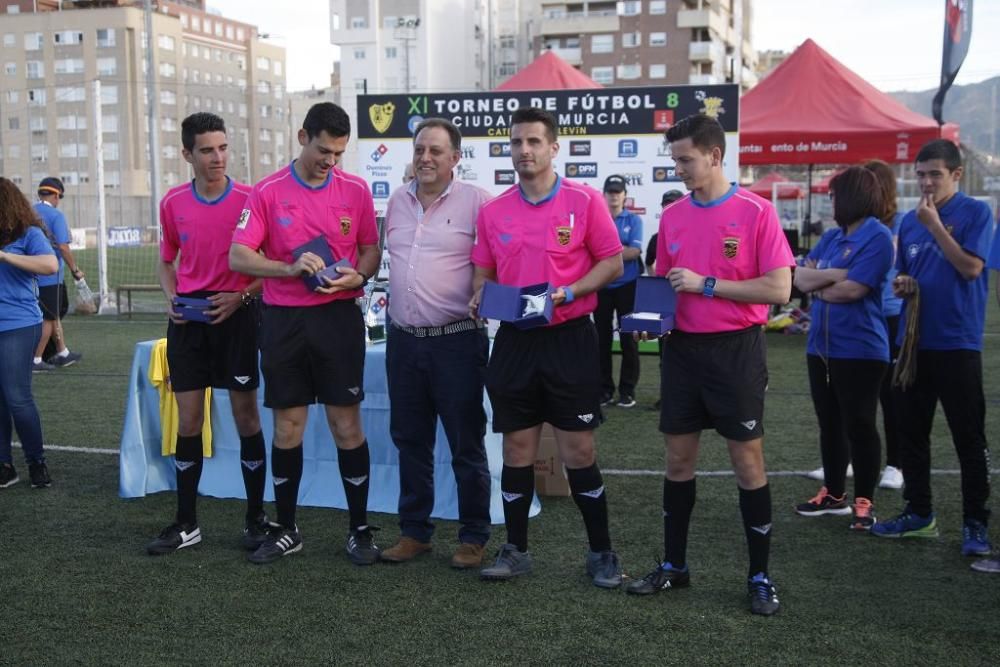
(159, 376)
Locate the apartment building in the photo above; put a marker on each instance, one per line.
(651, 42)
(52, 52)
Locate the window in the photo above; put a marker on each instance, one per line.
(109, 94)
(633, 71)
(14, 151)
(112, 179)
(10, 69)
(602, 43)
(264, 88)
(358, 22)
(194, 51)
(631, 39)
(241, 35)
(107, 66)
(278, 68)
(196, 75)
(71, 123)
(32, 41)
(196, 23)
(389, 21)
(217, 54)
(170, 152)
(206, 27)
(658, 7)
(241, 61)
(265, 111)
(13, 123)
(657, 39)
(219, 29)
(219, 106)
(263, 63)
(109, 123)
(229, 80)
(110, 151)
(218, 79)
(68, 38)
(507, 69)
(657, 71)
(168, 70)
(69, 66)
(508, 42)
(243, 110)
(631, 8)
(390, 52)
(279, 138)
(166, 42)
(184, 20)
(71, 94)
(359, 85)
(196, 101)
(73, 150)
(36, 97)
(359, 53)
(168, 124)
(37, 123)
(168, 97)
(105, 37)
(230, 106)
(230, 33)
(603, 75)
(35, 69)
(13, 96)
(9, 39)
(39, 152)
(279, 91)
(242, 85)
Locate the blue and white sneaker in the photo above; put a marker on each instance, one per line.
(907, 524)
(763, 595)
(975, 542)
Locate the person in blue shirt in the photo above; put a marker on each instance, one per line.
(892, 474)
(25, 252)
(52, 296)
(848, 347)
(992, 565)
(942, 249)
(618, 299)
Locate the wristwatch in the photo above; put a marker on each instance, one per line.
(364, 278)
(569, 295)
(245, 298)
(709, 288)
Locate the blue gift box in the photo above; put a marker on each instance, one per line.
(319, 247)
(192, 309)
(655, 305)
(505, 303)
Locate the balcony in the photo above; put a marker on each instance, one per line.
(705, 52)
(703, 79)
(572, 56)
(577, 25)
(702, 18)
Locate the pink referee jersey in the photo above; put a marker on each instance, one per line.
(557, 240)
(735, 237)
(202, 232)
(283, 212)
(431, 276)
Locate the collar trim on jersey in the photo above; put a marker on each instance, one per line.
(298, 180)
(715, 202)
(210, 202)
(552, 193)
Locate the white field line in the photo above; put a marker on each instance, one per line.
(614, 472)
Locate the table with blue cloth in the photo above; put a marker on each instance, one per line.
(145, 470)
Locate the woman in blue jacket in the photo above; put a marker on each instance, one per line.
(25, 252)
(848, 348)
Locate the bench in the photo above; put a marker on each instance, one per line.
(128, 289)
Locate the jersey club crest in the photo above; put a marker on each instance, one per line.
(563, 235)
(730, 246)
(345, 225)
(381, 116)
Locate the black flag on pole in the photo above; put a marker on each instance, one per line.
(957, 33)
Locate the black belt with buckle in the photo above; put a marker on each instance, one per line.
(454, 327)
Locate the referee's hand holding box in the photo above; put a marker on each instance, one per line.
(655, 305)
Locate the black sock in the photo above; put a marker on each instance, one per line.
(517, 485)
(588, 493)
(678, 502)
(286, 470)
(254, 466)
(756, 509)
(355, 469)
(188, 460)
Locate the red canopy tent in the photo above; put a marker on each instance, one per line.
(813, 110)
(764, 187)
(548, 72)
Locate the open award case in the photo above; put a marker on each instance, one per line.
(524, 307)
(655, 305)
(319, 247)
(192, 309)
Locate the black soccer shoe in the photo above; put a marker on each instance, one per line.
(663, 577)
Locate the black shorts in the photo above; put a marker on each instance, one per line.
(54, 301)
(313, 354)
(221, 355)
(714, 381)
(548, 374)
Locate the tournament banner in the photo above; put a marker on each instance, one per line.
(602, 132)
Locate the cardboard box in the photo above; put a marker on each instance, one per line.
(508, 304)
(655, 305)
(319, 247)
(192, 309)
(550, 475)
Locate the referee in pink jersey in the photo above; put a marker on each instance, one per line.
(724, 252)
(436, 354)
(547, 229)
(312, 342)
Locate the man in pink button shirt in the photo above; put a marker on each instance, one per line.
(436, 354)
(725, 255)
(548, 230)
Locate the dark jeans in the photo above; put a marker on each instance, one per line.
(17, 405)
(439, 376)
(620, 301)
(887, 398)
(845, 395)
(955, 377)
